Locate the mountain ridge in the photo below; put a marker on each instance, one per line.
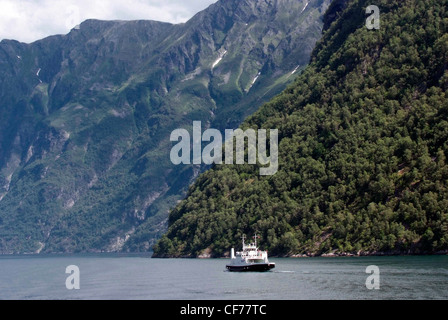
(362, 149)
(86, 117)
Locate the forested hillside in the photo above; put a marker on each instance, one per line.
(363, 146)
(86, 117)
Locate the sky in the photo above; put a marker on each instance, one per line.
(31, 20)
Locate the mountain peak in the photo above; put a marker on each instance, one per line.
(86, 117)
(363, 151)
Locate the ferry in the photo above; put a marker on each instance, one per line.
(250, 259)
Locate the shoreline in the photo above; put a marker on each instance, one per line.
(315, 255)
(150, 254)
(364, 254)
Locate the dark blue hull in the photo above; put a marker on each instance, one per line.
(259, 267)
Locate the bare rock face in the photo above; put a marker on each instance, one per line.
(85, 118)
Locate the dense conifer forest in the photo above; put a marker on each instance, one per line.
(363, 146)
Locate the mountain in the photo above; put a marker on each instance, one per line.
(85, 118)
(362, 146)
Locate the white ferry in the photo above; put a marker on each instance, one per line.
(250, 259)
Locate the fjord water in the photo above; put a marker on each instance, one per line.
(108, 277)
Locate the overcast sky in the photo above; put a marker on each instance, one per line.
(30, 20)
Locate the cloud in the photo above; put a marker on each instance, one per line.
(30, 20)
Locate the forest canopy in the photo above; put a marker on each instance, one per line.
(363, 146)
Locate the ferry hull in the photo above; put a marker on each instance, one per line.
(251, 267)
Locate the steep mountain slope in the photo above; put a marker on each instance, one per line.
(362, 148)
(85, 118)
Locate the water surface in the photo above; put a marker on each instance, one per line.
(119, 277)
